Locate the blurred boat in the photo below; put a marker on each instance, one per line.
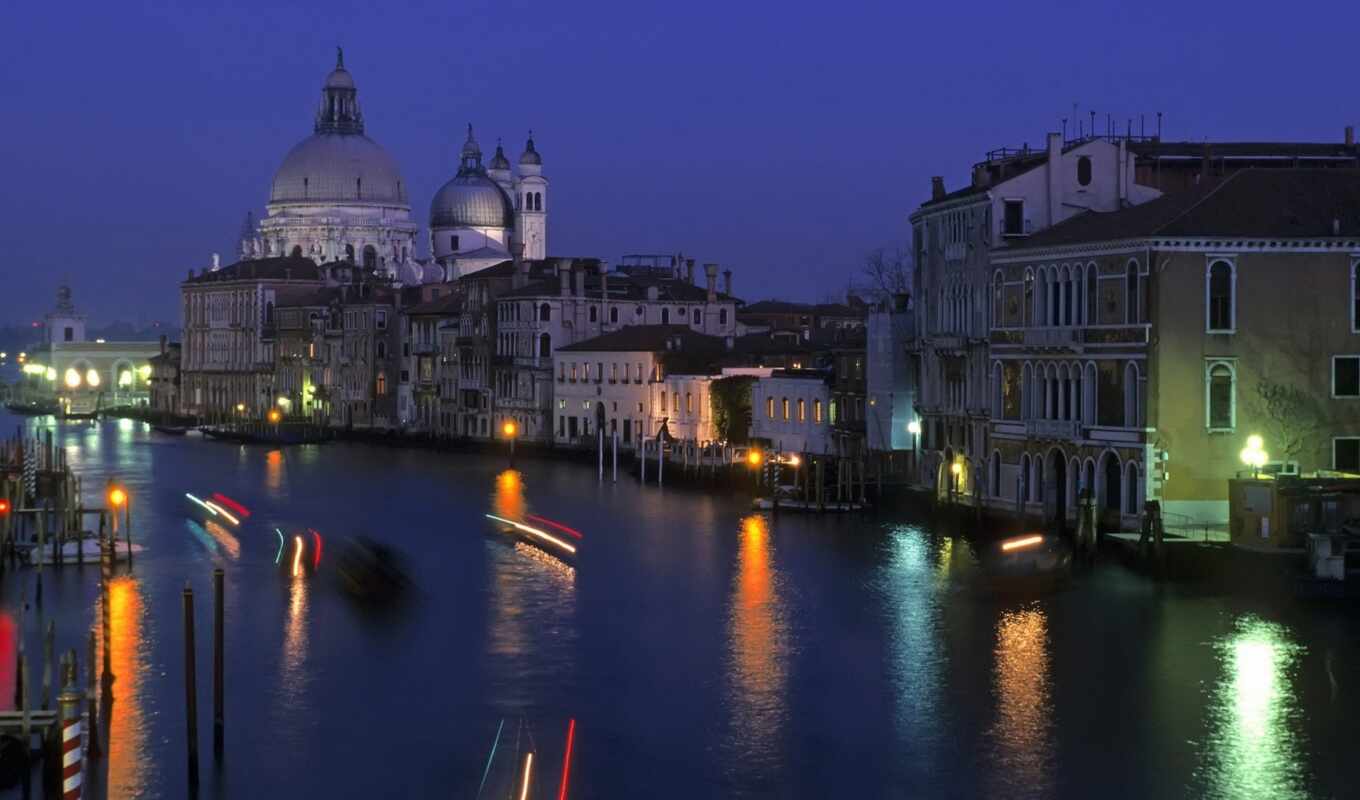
(33, 408)
(371, 571)
(537, 538)
(170, 430)
(1028, 563)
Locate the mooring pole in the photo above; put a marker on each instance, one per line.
(90, 684)
(616, 456)
(72, 756)
(190, 683)
(218, 656)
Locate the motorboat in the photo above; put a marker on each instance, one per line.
(1028, 562)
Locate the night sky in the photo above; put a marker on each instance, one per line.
(782, 140)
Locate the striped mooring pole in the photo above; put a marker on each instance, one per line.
(72, 754)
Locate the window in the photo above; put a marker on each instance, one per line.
(722, 316)
(614, 372)
(1346, 376)
(349, 253)
(381, 388)
(381, 349)
(1013, 221)
(1092, 312)
(594, 313)
(802, 410)
(769, 408)
(544, 345)
(637, 372)
(297, 251)
(817, 411)
(599, 371)
(689, 403)
(698, 317)
(1131, 293)
(1346, 453)
(613, 316)
(453, 243)
(69, 334)
(785, 406)
(665, 316)
(1355, 296)
(371, 257)
(545, 313)
(1084, 171)
(379, 320)
(1220, 291)
(675, 402)
(1220, 383)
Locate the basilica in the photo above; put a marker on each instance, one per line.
(339, 196)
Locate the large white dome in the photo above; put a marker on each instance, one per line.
(345, 168)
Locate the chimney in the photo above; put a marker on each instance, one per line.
(653, 294)
(711, 272)
(1053, 165)
(727, 282)
(580, 275)
(689, 271)
(162, 344)
(1350, 135)
(521, 278)
(564, 278)
(937, 188)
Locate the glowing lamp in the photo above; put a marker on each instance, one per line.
(125, 378)
(92, 378)
(753, 458)
(274, 415)
(283, 402)
(117, 497)
(1253, 455)
(50, 373)
(240, 408)
(72, 378)
(794, 460)
(914, 428)
(4, 507)
(509, 428)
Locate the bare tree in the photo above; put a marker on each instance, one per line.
(1291, 415)
(887, 271)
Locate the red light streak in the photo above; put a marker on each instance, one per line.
(566, 760)
(316, 560)
(557, 525)
(232, 504)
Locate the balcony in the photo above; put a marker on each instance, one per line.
(1063, 338)
(1116, 334)
(1064, 429)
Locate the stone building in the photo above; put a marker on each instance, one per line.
(163, 383)
(1134, 352)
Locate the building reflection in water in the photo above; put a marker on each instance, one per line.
(758, 654)
(127, 732)
(1255, 747)
(910, 584)
(273, 473)
(1022, 732)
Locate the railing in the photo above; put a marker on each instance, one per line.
(1115, 334)
(1053, 428)
(1050, 337)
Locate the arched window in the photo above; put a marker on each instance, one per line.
(613, 315)
(381, 348)
(1131, 293)
(784, 406)
(1037, 479)
(453, 244)
(1028, 311)
(370, 257)
(544, 345)
(1084, 171)
(297, 251)
(698, 317)
(1131, 409)
(1022, 480)
(380, 388)
(1113, 483)
(1092, 310)
(1220, 406)
(1078, 307)
(545, 313)
(665, 316)
(1221, 292)
(802, 410)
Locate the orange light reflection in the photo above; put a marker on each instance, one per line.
(1024, 707)
(127, 732)
(758, 648)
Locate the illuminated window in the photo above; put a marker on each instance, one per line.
(802, 410)
(675, 402)
(381, 388)
(1220, 292)
(689, 403)
(614, 372)
(1220, 401)
(1346, 376)
(817, 411)
(573, 372)
(769, 408)
(785, 408)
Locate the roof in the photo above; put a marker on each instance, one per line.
(263, 269)
(1255, 203)
(622, 286)
(814, 309)
(450, 303)
(1246, 150)
(648, 338)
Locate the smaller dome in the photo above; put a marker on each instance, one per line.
(530, 155)
(471, 200)
(499, 161)
(339, 79)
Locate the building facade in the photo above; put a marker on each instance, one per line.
(791, 411)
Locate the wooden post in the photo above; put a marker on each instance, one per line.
(660, 459)
(599, 447)
(127, 525)
(89, 697)
(105, 576)
(190, 685)
(616, 456)
(642, 460)
(219, 652)
(49, 640)
(72, 757)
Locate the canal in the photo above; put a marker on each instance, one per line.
(702, 650)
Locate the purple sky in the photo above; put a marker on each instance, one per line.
(784, 141)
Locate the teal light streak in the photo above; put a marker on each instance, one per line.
(280, 553)
(491, 757)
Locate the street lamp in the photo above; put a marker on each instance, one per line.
(509, 430)
(956, 469)
(274, 415)
(118, 499)
(914, 429)
(1254, 454)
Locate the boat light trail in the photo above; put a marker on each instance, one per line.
(316, 559)
(545, 536)
(216, 509)
(491, 757)
(566, 760)
(556, 525)
(232, 504)
(201, 503)
(528, 765)
(1016, 544)
(280, 553)
(297, 556)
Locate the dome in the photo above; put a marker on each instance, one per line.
(471, 200)
(530, 155)
(339, 79)
(342, 168)
(499, 161)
